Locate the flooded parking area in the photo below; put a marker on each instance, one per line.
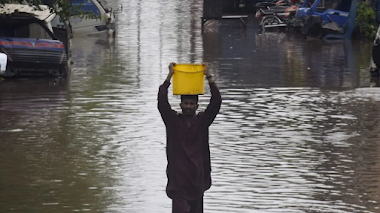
(297, 131)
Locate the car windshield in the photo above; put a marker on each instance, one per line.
(29, 30)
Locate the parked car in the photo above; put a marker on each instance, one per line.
(102, 23)
(27, 40)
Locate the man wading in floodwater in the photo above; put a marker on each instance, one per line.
(187, 146)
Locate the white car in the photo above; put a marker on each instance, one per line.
(104, 23)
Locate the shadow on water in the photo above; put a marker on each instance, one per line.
(17, 96)
(45, 167)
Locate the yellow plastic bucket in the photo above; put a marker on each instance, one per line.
(188, 79)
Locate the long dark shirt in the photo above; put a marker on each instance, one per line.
(187, 147)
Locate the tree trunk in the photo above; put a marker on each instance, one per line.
(68, 44)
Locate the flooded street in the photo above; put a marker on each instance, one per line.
(297, 131)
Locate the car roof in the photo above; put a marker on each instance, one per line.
(42, 13)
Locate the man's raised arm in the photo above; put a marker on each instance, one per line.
(216, 99)
(163, 102)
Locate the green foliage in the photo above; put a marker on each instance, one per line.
(65, 9)
(365, 20)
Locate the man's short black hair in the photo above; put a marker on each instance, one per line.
(192, 97)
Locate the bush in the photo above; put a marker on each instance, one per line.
(365, 20)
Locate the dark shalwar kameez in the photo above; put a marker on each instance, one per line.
(188, 152)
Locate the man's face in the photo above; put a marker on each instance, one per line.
(189, 107)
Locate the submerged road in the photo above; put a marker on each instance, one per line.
(297, 131)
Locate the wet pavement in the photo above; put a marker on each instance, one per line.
(297, 131)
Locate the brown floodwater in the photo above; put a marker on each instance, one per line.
(297, 131)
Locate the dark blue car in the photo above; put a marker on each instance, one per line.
(31, 47)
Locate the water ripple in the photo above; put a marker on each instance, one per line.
(294, 134)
